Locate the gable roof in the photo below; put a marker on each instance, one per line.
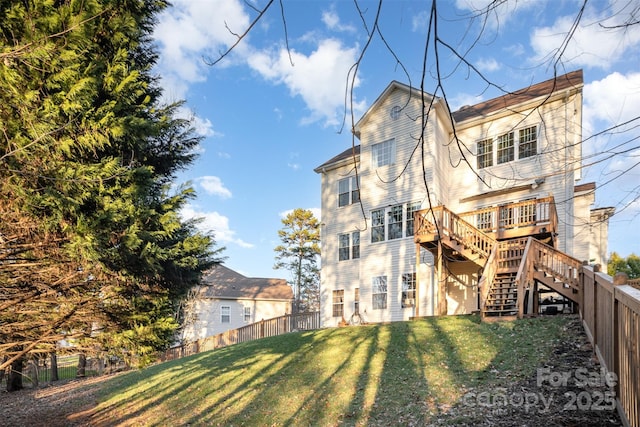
(224, 283)
(345, 155)
(569, 81)
(573, 80)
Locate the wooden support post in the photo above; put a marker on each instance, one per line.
(442, 282)
(418, 282)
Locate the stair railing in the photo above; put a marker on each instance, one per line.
(487, 277)
(524, 277)
(559, 265)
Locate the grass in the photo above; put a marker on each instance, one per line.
(399, 373)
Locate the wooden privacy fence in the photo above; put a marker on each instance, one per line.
(262, 329)
(610, 312)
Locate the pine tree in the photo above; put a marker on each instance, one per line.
(299, 253)
(92, 248)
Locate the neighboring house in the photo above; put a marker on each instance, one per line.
(509, 167)
(229, 300)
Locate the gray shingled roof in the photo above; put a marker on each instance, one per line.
(222, 282)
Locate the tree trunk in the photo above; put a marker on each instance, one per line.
(54, 367)
(14, 380)
(82, 366)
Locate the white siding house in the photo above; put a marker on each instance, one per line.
(229, 300)
(521, 146)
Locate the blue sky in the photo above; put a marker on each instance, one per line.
(270, 115)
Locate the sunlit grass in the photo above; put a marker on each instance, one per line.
(399, 373)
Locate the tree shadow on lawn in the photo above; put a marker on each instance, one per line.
(404, 373)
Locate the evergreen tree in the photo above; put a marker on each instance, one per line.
(299, 253)
(92, 248)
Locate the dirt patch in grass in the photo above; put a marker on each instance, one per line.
(569, 389)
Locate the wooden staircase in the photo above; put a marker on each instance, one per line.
(510, 267)
(502, 298)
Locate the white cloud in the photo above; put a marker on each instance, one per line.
(331, 19)
(591, 45)
(318, 78)
(463, 99)
(498, 13)
(420, 22)
(608, 102)
(213, 185)
(213, 222)
(487, 65)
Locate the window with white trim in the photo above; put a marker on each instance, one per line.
(377, 226)
(355, 245)
(393, 222)
(505, 147)
(379, 292)
(343, 247)
(408, 290)
(485, 153)
(412, 208)
(527, 142)
(338, 303)
(225, 314)
(348, 246)
(348, 191)
(247, 314)
(383, 153)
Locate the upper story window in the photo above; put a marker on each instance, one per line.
(247, 314)
(412, 208)
(507, 147)
(348, 245)
(393, 222)
(527, 142)
(348, 191)
(383, 153)
(485, 153)
(225, 314)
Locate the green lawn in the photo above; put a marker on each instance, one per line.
(399, 373)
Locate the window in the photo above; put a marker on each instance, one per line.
(379, 292)
(398, 222)
(348, 191)
(338, 303)
(408, 290)
(505, 148)
(527, 142)
(377, 225)
(355, 245)
(343, 247)
(485, 153)
(225, 314)
(247, 314)
(395, 222)
(356, 301)
(412, 208)
(383, 153)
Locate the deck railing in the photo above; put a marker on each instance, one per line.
(441, 222)
(262, 329)
(538, 213)
(610, 313)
